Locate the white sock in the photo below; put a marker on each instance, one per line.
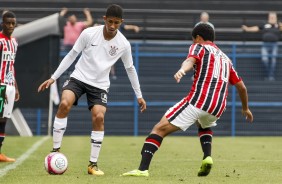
(96, 144)
(59, 129)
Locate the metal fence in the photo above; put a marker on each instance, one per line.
(156, 62)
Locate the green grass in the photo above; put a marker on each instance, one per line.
(242, 160)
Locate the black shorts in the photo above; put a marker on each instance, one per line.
(95, 96)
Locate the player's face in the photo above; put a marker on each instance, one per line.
(112, 24)
(9, 25)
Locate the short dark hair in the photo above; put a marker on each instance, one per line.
(205, 31)
(114, 10)
(8, 14)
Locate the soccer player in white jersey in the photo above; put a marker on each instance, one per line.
(8, 49)
(101, 47)
(203, 105)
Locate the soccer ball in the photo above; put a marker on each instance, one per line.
(56, 163)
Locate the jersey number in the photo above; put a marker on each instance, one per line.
(220, 61)
(2, 99)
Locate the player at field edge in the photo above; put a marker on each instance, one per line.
(203, 105)
(101, 47)
(8, 49)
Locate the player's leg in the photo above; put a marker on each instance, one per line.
(8, 108)
(205, 134)
(154, 141)
(60, 121)
(3, 157)
(151, 145)
(97, 136)
(97, 103)
(178, 117)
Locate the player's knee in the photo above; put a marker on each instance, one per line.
(65, 106)
(98, 118)
(160, 129)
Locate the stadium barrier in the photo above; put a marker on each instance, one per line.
(243, 51)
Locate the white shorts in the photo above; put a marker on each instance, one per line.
(183, 115)
(8, 107)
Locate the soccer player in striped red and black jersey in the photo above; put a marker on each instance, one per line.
(8, 49)
(204, 104)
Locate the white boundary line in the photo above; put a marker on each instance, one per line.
(23, 157)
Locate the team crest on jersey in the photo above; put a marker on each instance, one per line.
(113, 50)
(9, 78)
(104, 97)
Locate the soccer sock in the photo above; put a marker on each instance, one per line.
(59, 129)
(2, 133)
(151, 145)
(205, 135)
(96, 143)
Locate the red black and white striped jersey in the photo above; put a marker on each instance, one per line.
(213, 71)
(8, 49)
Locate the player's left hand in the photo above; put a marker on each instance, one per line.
(248, 114)
(142, 104)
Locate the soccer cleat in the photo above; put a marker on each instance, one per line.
(137, 173)
(206, 166)
(94, 170)
(55, 150)
(4, 158)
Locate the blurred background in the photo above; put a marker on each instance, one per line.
(159, 46)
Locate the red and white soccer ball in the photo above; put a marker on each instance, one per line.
(56, 163)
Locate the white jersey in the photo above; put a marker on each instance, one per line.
(99, 55)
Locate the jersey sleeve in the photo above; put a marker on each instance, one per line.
(195, 51)
(127, 57)
(234, 78)
(81, 42)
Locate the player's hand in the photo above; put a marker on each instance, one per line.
(17, 95)
(179, 74)
(142, 104)
(248, 114)
(46, 84)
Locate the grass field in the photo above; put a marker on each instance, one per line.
(244, 160)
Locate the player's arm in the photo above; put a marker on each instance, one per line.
(186, 66)
(79, 45)
(64, 65)
(243, 94)
(133, 77)
(17, 94)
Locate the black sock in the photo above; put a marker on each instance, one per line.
(205, 135)
(2, 133)
(151, 145)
